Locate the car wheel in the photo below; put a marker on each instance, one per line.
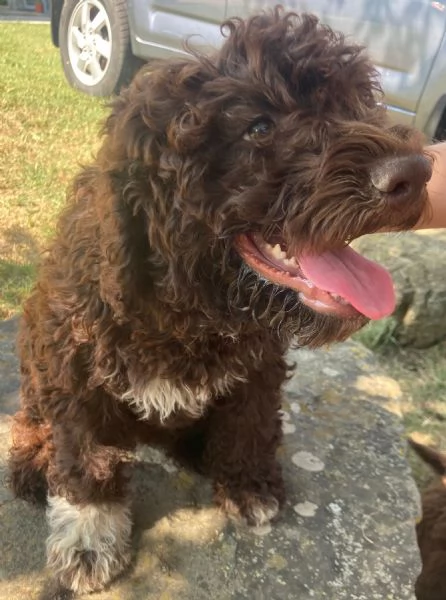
(95, 45)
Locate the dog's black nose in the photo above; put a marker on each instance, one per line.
(401, 179)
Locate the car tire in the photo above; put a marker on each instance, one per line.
(94, 45)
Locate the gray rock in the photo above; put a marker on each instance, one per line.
(417, 262)
(347, 531)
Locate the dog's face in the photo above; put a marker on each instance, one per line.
(264, 161)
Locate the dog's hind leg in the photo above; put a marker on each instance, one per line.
(243, 433)
(29, 457)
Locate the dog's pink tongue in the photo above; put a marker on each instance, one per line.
(364, 284)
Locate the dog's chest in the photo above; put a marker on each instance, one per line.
(191, 393)
(190, 384)
(165, 397)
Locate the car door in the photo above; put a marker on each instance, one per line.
(402, 37)
(160, 27)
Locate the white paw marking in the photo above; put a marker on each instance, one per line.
(99, 530)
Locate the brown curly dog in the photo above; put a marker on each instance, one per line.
(431, 530)
(211, 231)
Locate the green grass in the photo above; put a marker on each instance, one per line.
(47, 130)
(422, 377)
(378, 334)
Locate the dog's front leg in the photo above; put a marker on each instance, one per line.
(88, 511)
(242, 437)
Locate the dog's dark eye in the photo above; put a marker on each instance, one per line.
(259, 129)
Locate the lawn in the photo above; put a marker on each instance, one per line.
(421, 375)
(47, 130)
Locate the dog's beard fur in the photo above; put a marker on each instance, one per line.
(271, 306)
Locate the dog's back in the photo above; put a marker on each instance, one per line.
(431, 531)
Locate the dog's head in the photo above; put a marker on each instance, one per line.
(253, 169)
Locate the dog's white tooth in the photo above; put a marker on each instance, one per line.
(291, 262)
(277, 252)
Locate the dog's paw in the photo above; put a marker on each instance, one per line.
(256, 509)
(256, 497)
(260, 511)
(88, 546)
(87, 570)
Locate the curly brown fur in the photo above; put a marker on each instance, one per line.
(431, 530)
(146, 325)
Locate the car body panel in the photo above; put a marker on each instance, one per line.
(432, 105)
(402, 37)
(56, 11)
(160, 28)
(405, 39)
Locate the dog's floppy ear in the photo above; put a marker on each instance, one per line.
(121, 243)
(123, 247)
(139, 165)
(156, 113)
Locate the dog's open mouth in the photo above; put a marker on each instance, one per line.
(340, 282)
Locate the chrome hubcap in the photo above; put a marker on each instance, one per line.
(89, 42)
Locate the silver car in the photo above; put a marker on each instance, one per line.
(102, 42)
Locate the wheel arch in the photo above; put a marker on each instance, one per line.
(440, 131)
(56, 11)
